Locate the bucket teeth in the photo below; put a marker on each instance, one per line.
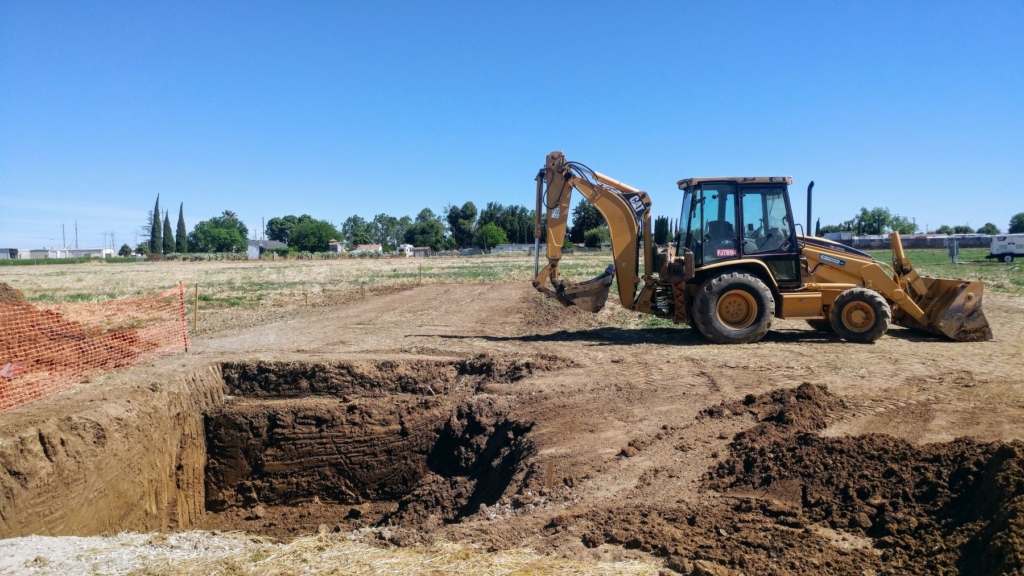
(590, 295)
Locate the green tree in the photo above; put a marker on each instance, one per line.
(280, 228)
(125, 250)
(356, 230)
(944, 229)
(313, 236)
(229, 219)
(829, 228)
(426, 215)
(142, 248)
(389, 233)
(168, 235)
(515, 220)
(462, 223)
(1017, 224)
(963, 229)
(585, 216)
(490, 235)
(989, 228)
(428, 232)
(660, 230)
(224, 233)
(594, 237)
(878, 221)
(181, 238)
(156, 235)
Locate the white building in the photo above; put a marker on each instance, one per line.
(527, 248)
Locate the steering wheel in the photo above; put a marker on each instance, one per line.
(767, 236)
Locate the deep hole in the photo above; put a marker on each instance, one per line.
(358, 443)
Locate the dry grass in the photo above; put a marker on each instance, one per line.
(329, 555)
(237, 554)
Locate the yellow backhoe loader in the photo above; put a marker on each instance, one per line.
(736, 263)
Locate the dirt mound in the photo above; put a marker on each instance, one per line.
(932, 508)
(788, 501)
(805, 407)
(10, 294)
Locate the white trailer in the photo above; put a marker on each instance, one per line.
(1006, 247)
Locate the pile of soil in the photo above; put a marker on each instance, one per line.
(956, 506)
(10, 294)
(786, 500)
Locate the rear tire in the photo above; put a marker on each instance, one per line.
(733, 308)
(860, 315)
(820, 324)
(1008, 258)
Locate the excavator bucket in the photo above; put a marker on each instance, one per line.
(953, 309)
(590, 295)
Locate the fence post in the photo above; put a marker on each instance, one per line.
(184, 317)
(195, 311)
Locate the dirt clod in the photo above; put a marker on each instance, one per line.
(9, 293)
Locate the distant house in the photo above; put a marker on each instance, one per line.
(258, 247)
(336, 247)
(368, 249)
(410, 251)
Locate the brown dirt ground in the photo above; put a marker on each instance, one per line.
(899, 457)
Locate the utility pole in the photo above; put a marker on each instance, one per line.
(263, 231)
(76, 234)
(63, 237)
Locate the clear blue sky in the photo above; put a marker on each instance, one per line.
(341, 108)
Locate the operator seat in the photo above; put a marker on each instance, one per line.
(719, 230)
(721, 234)
(776, 237)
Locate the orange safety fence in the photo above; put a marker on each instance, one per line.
(48, 348)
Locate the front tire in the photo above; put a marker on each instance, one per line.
(860, 315)
(734, 308)
(1008, 258)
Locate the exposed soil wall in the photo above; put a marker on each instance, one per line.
(292, 450)
(113, 465)
(232, 436)
(370, 431)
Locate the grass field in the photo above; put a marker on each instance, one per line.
(250, 284)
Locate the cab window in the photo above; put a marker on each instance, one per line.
(711, 231)
(766, 227)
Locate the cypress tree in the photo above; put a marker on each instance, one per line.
(168, 235)
(156, 243)
(182, 236)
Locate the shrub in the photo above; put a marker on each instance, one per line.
(594, 237)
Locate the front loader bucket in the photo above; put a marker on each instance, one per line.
(590, 295)
(953, 309)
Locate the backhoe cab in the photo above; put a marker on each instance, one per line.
(737, 263)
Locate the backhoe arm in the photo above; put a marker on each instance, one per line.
(625, 209)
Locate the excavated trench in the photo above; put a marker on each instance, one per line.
(296, 444)
(276, 448)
